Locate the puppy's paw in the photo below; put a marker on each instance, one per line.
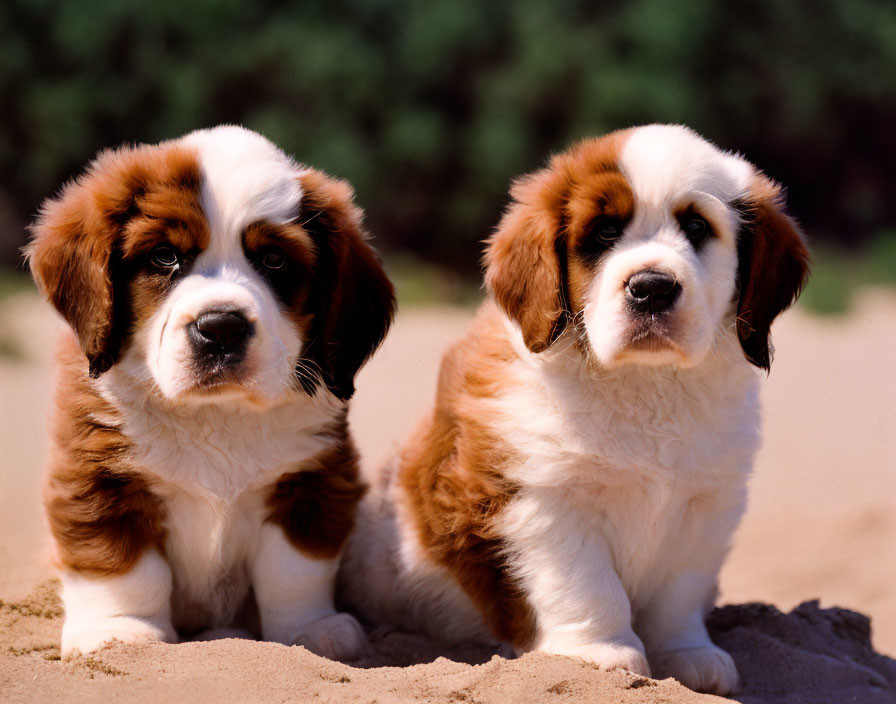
(85, 637)
(611, 656)
(337, 637)
(708, 669)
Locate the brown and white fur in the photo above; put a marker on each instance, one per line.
(575, 488)
(221, 298)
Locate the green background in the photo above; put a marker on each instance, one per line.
(431, 108)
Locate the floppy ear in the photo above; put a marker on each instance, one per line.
(525, 266)
(352, 300)
(773, 265)
(70, 259)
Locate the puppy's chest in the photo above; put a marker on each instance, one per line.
(220, 452)
(213, 468)
(209, 547)
(641, 431)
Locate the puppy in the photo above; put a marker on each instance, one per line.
(221, 298)
(575, 488)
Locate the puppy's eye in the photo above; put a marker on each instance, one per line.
(695, 227)
(165, 257)
(272, 258)
(608, 230)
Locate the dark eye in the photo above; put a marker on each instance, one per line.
(608, 230)
(273, 258)
(165, 257)
(695, 227)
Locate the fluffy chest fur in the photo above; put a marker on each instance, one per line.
(213, 468)
(220, 449)
(650, 459)
(650, 426)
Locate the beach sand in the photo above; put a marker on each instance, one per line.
(821, 526)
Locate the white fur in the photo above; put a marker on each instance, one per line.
(133, 607)
(633, 483)
(294, 593)
(634, 464)
(212, 460)
(245, 179)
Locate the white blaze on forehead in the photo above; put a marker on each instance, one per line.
(664, 164)
(245, 179)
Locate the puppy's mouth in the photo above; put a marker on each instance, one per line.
(213, 375)
(222, 385)
(651, 332)
(652, 339)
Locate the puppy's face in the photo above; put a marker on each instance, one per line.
(647, 243)
(214, 268)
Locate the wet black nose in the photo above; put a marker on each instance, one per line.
(651, 291)
(220, 331)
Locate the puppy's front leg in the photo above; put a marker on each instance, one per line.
(294, 592)
(675, 633)
(135, 606)
(581, 608)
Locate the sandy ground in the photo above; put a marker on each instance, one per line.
(821, 525)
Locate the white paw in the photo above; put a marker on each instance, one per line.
(337, 637)
(708, 669)
(85, 637)
(611, 656)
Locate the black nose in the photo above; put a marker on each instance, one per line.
(220, 331)
(651, 291)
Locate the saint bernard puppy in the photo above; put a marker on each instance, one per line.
(221, 298)
(575, 488)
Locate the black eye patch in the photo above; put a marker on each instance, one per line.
(601, 234)
(695, 227)
(275, 266)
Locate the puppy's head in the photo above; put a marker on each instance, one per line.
(649, 243)
(214, 267)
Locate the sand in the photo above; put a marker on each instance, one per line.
(821, 526)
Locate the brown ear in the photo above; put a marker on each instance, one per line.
(524, 262)
(69, 257)
(773, 265)
(352, 300)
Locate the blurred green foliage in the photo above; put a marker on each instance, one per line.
(431, 108)
(12, 282)
(838, 273)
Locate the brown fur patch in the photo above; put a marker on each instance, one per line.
(89, 256)
(536, 267)
(352, 300)
(292, 239)
(773, 265)
(293, 285)
(316, 504)
(451, 473)
(101, 513)
(128, 201)
(595, 199)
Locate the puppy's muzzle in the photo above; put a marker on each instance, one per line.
(221, 336)
(651, 291)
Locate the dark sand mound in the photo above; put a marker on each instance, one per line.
(806, 656)
(809, 656)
